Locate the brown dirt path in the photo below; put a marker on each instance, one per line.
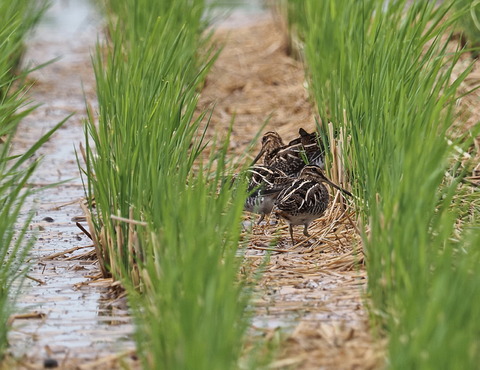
(311, 293)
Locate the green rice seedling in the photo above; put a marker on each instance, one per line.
(14, 170)
(27, 14)
(383, 71)
(470, 24)
(14, 175)
(13, 246)
(147, 99)
(439, 329)
(191, 293)
(167, 226)
(14, 191)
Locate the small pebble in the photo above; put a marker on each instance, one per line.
(247, 224)
(78, 219)
(50, 363)
(311, 284)
(48, 219)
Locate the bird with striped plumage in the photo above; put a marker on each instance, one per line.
(305, 199)
(291, 158)
(264, 185)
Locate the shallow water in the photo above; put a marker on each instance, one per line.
(77, 321)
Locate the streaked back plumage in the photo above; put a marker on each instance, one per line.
(264, 185)
(305, 200)
(291, 158)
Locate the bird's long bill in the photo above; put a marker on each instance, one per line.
(259, 155)
(338, 187)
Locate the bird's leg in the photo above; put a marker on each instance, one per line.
(290, 228)
(270, 220)
(262, 216)
(305, 230)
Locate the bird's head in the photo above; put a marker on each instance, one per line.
(271, 141)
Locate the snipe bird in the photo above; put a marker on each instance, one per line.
(271, 143)
(312, 147)
(264, 185)
(305, 200)
(290, 158)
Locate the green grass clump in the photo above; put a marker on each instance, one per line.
(193, 303)
(470, 24)
(14, 170)
(13, 244)
(25, 14)
(382, 72)
(176, 255)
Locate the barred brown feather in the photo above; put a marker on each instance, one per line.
(305, 200)
(291, 158)
(264, 185)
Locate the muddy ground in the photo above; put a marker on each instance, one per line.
(72, 319)
(312, 294)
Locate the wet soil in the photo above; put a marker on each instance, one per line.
(76, 322)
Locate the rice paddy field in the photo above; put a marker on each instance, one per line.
(126, 129)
